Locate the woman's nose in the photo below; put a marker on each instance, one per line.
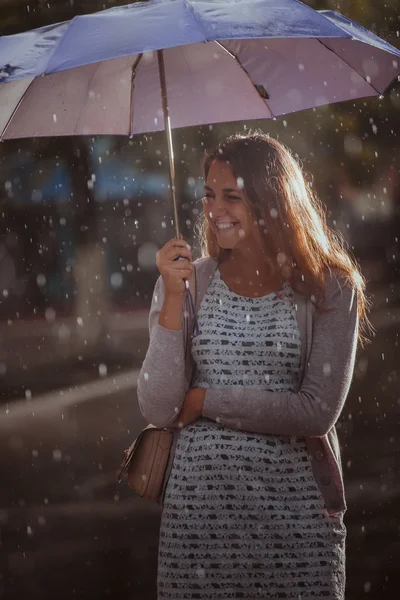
(218, 206)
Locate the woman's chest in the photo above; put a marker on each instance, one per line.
(233, 328)
(247, 348)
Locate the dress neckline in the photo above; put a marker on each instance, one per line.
(271, 294)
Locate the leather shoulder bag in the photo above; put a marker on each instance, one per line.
(146, 461)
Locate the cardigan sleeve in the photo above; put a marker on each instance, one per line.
(315, 408)
(162, 381)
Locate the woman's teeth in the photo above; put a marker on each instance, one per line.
(226, 225)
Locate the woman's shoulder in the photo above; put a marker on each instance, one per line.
(205, 266)
(204, 260)
(340, 290)
(337, 291)
(337, 280)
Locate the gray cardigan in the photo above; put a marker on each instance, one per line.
(328, 349)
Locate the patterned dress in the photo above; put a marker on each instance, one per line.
(243, 516)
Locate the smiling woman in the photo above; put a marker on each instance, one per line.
(254, 503)
(277, 227)
(231, 220)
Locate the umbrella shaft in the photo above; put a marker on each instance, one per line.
(167, 124)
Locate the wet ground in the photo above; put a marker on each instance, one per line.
(68, 531)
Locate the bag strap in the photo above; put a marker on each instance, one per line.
(191, 305)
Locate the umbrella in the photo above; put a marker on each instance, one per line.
(162, 64)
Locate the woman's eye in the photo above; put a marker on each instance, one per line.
(230, 198)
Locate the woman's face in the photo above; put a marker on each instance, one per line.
(225, 209)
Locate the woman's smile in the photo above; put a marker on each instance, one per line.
(226, 226)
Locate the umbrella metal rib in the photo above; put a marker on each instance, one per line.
(134, 70)
(348, 65)
(245, 71)
(2, 133)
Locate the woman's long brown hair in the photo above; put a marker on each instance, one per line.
(290, 218)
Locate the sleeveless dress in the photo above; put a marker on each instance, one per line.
(243, 516)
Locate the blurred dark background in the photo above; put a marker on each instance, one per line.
(81, 221)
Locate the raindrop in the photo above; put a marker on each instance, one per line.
(103, 370)
(41, 280)
(281, 258)
(327, 369)
(116, 280)
(50, 314)
(57, 454)
(64, 333)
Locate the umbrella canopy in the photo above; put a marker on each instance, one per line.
(151, 66)
(224, 61)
